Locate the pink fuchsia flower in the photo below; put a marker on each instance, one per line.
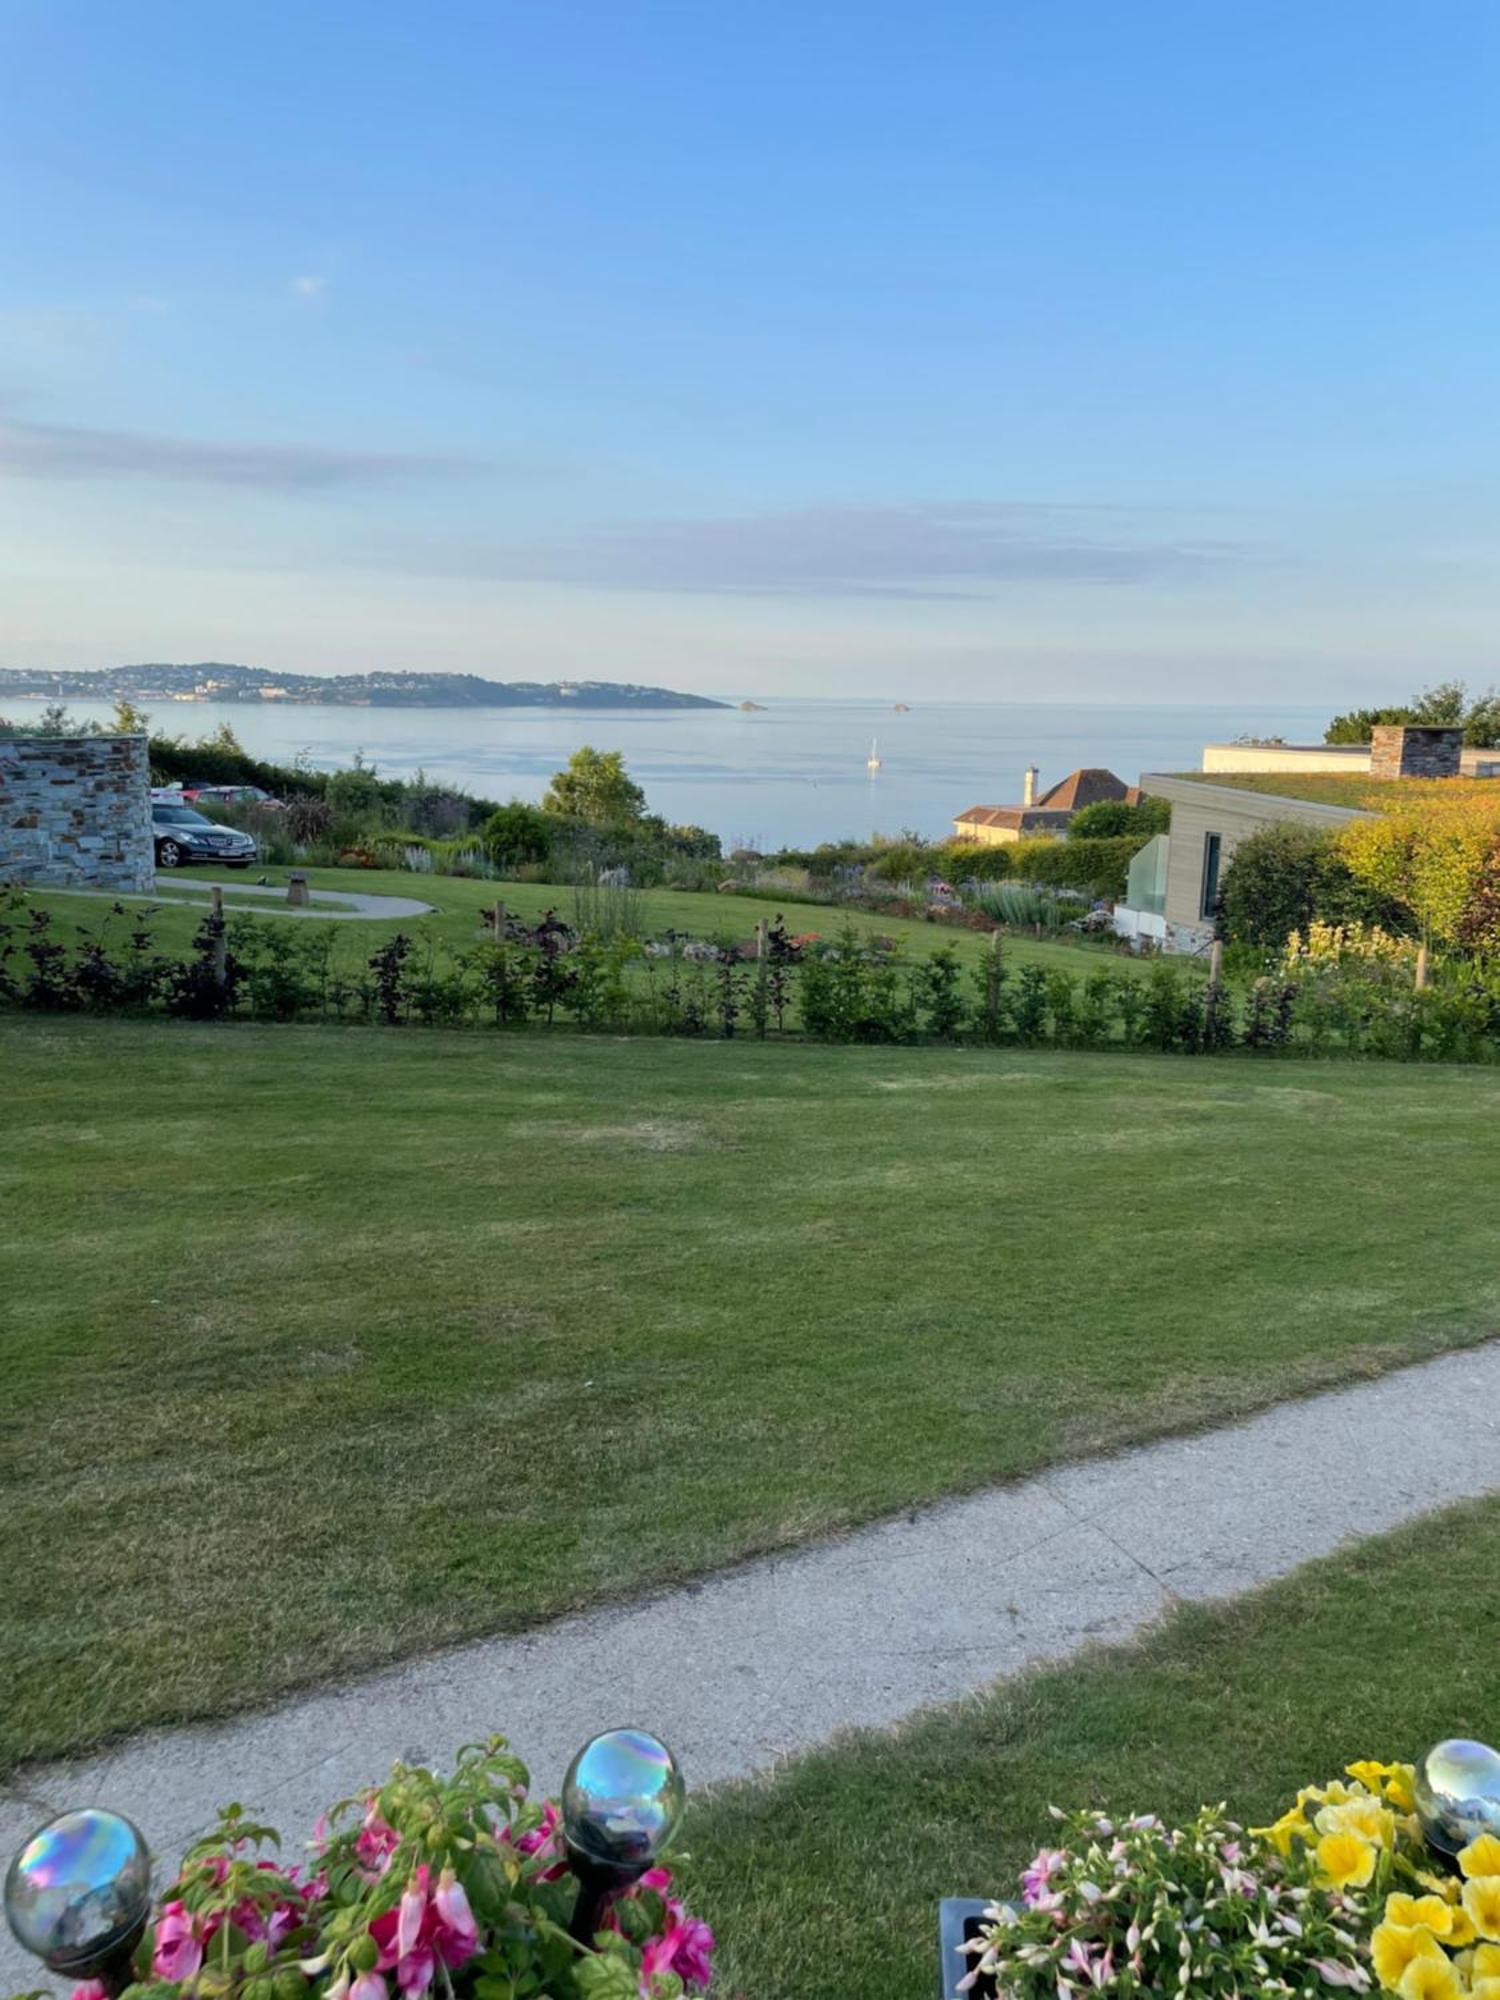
(90, 1989)
(659, 1879)
(368, 1986)
(455, 1933)
(376, 1842)
(540, 1843)
(686, 1947)
(410, 1912)
(1335, 1974)
(403, 1937)
(178, 1950)
(1079, 1958)
(1034, 1879)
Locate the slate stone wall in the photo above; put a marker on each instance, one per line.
(75, 812)
(1410, 750)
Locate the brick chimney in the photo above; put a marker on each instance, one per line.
(1411, 750)
(1028, 786)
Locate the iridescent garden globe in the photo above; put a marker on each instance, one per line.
(1458, 1793)
(621, 1799)
(79, 1891)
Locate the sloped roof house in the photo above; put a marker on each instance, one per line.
(1050, 814)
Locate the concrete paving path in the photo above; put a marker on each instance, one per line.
(767, 1660)
(269, 900)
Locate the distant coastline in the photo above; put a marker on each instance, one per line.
(219, 681)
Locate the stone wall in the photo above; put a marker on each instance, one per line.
(75, 812)
(1410, 750)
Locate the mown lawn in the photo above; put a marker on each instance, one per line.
(324, 1346)
(456, 922)
(824, 1881)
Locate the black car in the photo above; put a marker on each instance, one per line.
(184, 835)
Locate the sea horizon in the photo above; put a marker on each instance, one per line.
(792, 772)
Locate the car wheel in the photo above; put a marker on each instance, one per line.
(168, 854)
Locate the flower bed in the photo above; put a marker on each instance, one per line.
(452, 1887)
(1346, 1891)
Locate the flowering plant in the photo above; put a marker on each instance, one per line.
(1332, 944)
(1340, 1892)
(1137, 1907)
(455, 1888)
(1433, 1934)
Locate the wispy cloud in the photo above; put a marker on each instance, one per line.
(965, 549)
(311, 285)
(145, 302)
(66, 451)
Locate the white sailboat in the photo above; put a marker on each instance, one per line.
(872, 762)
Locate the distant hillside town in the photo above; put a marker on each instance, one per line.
(216, 680)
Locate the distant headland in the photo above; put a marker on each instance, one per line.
(216, 680)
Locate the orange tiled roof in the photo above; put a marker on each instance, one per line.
(1086, 787)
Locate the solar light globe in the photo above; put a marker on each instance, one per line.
(79, 1892)
(621, 1800)
(1458, 1793)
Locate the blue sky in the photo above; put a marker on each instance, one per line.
(1022, 349)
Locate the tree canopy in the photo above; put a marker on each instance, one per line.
(595, 789)
(1448, 705)
(1108, 819)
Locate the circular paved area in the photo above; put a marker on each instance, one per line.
(269, 900)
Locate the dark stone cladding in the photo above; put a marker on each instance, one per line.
(1410, 750)
(75, 813)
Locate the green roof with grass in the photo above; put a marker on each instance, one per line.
(1355, 791)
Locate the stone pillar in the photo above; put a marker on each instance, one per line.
(1414, 750)
(75, 812)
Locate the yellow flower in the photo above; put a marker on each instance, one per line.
(1482, 1901)
(1460, 1929)
(1411, 1911)
(1291, 1826)
(1401, 1788)
(1334, 1793)
(1393, 1781)
(1392, 1950)
(1486, 1961)
(1481, 1856)
(1348, 1862)
(1429, 1979)
(1367, 1817)
(1485, 1989)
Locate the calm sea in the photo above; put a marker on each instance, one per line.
(791, 775)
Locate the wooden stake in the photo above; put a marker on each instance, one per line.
(760, 940)
(221, 942)
(1216, 962)
(1421, 966)
(499, 917)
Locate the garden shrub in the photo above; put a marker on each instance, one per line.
(517, 834)
(1437, 860)
(1023, 906)
(940, 994)
(1097, 867)
(907, 861)
(1342, 992)
(1285, 877)
(1107, 819)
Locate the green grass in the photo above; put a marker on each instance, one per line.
(459, 901)
(325, 1346)
(824, 1882)
(1356, 791)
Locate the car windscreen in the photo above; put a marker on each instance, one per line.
(178, 816)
